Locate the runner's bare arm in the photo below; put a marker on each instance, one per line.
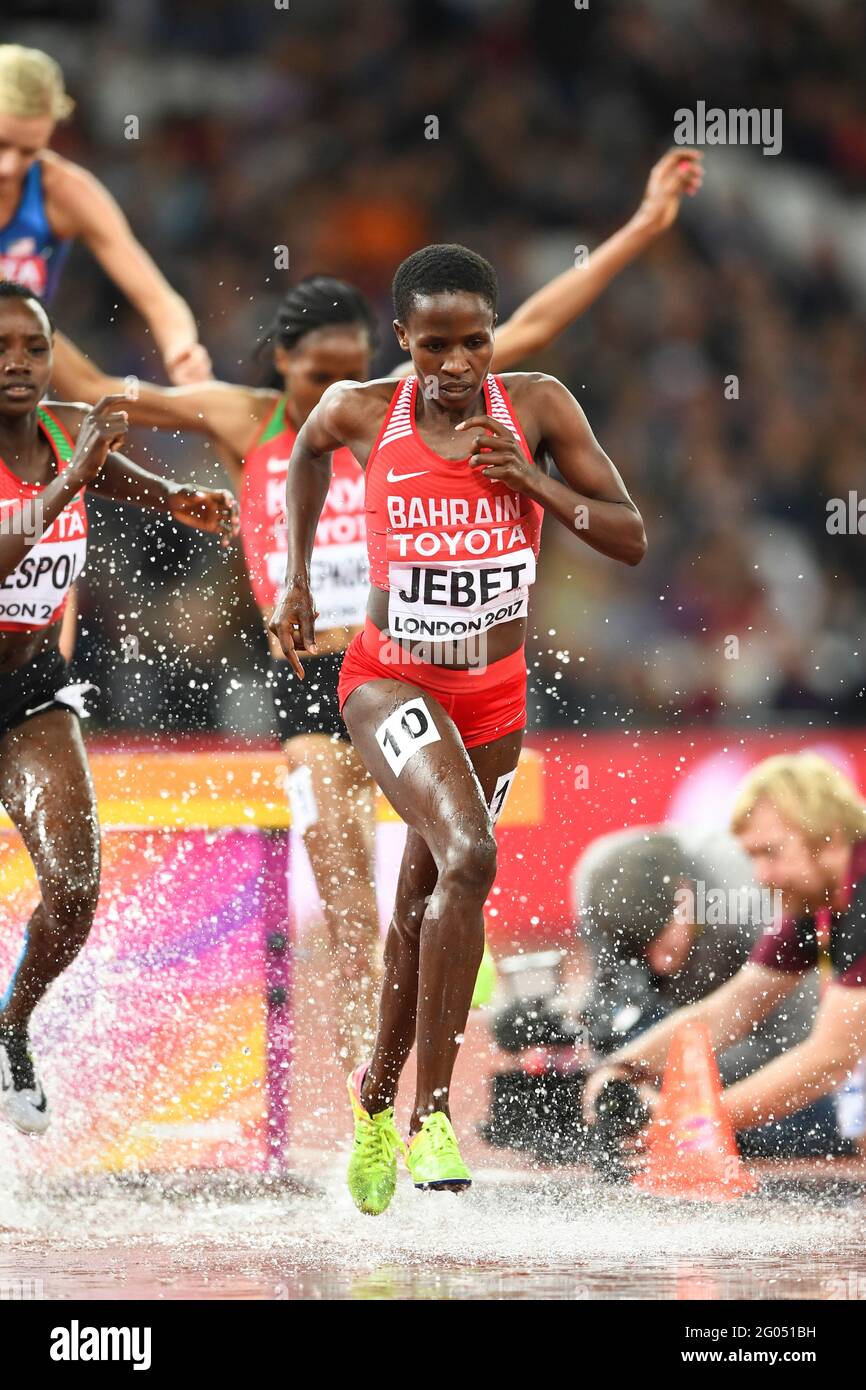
(593, 500)
(93, 432)
(340, 418)
(124, 481)
(91, 213)
(550, 310)
(75, 377)
(309, 475)
(348, 416)
(206, 509)
(233, 415)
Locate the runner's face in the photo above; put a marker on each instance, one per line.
(20, 142)
(25, 356)
(450, 339)
(784, 859)
(337, 353)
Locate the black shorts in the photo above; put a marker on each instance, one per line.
(309, 706)
(32, 689)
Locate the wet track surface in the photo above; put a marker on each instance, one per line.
(518, 1234)
(514, 1236)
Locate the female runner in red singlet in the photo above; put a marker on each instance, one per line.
(323, 332)
(434, 689)
(48, 458)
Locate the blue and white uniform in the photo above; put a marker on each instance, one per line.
(30, 251)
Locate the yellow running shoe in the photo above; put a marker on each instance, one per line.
(373, 1166)
(433, 1157)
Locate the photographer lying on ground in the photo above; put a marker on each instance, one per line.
(803, 826)
(669, 914)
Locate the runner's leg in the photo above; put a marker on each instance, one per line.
(418, 758)
(46, 788)
(398, 1006)
(337, 808)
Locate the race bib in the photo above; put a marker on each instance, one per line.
(444, 602)
(339, 581)
(41, 581)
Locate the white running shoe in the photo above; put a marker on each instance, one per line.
(22, 1097)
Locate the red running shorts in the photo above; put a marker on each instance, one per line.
(485, 703)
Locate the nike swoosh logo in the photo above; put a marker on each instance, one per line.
(396, 477)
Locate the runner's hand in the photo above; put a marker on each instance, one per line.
(293, 622)
(102, 430)
(207, 509)
(498, 454)
(188, 364)
(678, 172)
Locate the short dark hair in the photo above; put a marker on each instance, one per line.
(444, 268)
(11, 289)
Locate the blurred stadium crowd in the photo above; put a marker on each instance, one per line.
(725, 373)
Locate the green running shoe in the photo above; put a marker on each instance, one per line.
(434, 1159)
(373, 1166)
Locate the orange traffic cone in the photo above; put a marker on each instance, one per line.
(691, 1150)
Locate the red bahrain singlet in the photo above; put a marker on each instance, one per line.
(34, 595)
(456, 551)
(339, 578)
